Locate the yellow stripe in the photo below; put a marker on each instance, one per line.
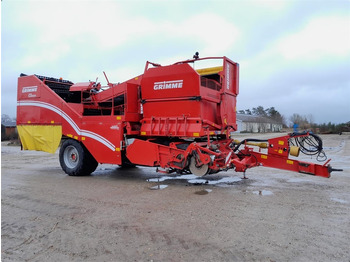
(209, 70)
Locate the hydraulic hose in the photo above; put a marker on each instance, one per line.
(309, 145)
(248, 140)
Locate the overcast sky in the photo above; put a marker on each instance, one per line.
(293, 55)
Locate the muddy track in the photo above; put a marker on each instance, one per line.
(113, 215)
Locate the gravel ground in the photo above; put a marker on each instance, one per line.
(136, 215)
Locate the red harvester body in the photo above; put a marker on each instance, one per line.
(173, 117)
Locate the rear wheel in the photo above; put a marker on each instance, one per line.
(75, 159)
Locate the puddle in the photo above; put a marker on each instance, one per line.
(225, 180)
(339, 200)
(203, 192)
(263, 193)
(164, 178)
(158, 187)
(192, 179)
(162, 182)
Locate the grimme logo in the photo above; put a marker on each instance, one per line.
(168, 84)
(29, 89)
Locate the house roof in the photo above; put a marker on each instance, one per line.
(247, 118)
(255, 119)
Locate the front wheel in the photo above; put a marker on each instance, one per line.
(75, 159)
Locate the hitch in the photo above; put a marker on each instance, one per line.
(278, 151)
(331, 169)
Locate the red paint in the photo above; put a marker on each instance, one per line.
(161, 118)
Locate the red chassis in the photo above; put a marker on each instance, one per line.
(202, 158)
(175, 117)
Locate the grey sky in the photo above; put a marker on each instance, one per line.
(293, 55)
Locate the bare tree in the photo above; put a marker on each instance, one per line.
(310, 119)
(6, 118)
(300, 120)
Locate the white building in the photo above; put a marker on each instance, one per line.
(256, 124)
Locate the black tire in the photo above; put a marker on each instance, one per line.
(75, 159)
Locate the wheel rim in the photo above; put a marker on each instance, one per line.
(71, 157)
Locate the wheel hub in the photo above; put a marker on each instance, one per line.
(71, 157)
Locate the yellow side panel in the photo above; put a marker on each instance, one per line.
(40, 137)
(210, 70)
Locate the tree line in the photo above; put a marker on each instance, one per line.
(270, 113)
(304, 122)
(307, 123)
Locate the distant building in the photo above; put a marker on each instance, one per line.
(8, 130)
(257, 124)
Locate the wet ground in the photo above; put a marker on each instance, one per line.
(139, 215)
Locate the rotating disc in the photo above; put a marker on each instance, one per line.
(198, 170)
